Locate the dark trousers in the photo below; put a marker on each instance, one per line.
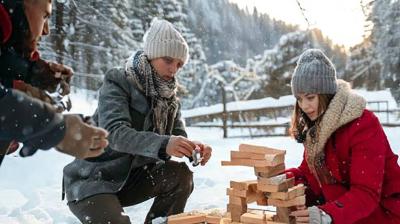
(171, 184)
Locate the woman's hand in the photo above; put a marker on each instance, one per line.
(301, 214)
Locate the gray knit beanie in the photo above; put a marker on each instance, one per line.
(314, 73)
(162, 39)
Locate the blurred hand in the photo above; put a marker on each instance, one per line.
(302, 215)
(82, 140)
(179, 146)
(64, 73)
(205, 152)
(51, 75)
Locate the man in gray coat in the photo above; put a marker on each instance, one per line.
(139, 108)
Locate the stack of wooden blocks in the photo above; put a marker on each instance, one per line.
(271, 187)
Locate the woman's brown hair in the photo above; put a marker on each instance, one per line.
(300, 121)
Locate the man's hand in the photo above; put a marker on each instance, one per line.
(50, 76)
(82, 140)
(64, 73)
(179, 146)
(205, 152)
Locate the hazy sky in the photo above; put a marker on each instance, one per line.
(341, 20)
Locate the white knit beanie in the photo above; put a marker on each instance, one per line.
(162, 39)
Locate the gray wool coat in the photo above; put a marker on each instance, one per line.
(121, 111)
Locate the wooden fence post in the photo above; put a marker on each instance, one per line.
(224, 112)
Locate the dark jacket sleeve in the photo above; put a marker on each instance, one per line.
(117, 98)
(28, 120)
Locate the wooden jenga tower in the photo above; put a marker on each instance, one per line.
(271, 187)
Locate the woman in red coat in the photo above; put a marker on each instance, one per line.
(351, 173)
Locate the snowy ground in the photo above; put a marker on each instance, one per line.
(30, 188)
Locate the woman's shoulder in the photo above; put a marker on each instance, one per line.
(363, 127)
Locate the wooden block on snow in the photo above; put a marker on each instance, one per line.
(264, 187)
(260, 149)
(269, 171)
(253, 218)
(301, 200)
(292, 192)
(189, 219)
(213, 219)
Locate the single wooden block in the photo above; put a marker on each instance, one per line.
(213, 219)
(283, 187)
(244, 185)
(275, 180)
(237, 193)
(248, 162)
(235, 216)
(273, 159)
(301, 200)
(282, 215)
(237, 201)
(253, 218)
(269, 171)
(233, 207)
(260, 149)
(292, 192)
(225, 221)
(189, 219)
(276, 222)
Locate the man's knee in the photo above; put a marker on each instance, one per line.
(186, 178)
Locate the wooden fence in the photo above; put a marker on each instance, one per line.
(251, 119)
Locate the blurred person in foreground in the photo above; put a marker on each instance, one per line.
(27, 111)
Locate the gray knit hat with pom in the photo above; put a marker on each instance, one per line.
(314, 73)
(162, 39)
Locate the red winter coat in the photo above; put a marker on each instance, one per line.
(359, 157)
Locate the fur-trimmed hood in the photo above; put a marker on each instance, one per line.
(343, 108)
